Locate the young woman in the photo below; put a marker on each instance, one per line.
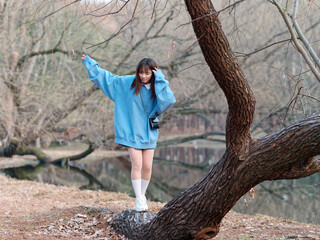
(136, 98)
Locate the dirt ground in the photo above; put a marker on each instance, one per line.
(32, 210)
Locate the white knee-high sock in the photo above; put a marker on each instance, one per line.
(137, 187)
(144, 186)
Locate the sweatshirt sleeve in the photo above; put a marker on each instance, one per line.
(105, 80)
(165, 97)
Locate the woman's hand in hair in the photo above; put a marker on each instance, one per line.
(155, 69)
(82, 58)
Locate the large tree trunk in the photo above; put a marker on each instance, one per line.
(289, 153)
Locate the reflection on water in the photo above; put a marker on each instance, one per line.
(176, 169)
(297, 199)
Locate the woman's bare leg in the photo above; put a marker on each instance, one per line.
(141, 160)
(147, 159)
(136, 163)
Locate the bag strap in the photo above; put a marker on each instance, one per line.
(144, 105)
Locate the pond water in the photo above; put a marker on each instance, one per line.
(176, 169)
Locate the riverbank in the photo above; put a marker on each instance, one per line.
(33, 210)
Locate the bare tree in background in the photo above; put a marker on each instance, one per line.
(290, 153)
(291, 88)
(44, 89)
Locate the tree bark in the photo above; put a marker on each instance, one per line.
(227, 72)
(288, 153)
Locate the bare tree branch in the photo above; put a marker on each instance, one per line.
(154, 8)
(284, 14)
(210, 14)
(175, 141)
(52, 13)
(79, 156)
(302, 36)
(119, 30)
(109, 13)
(44, 52)
(261, 49)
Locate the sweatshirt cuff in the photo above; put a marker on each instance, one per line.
(86, 60)
(159, 74)
(89, 62)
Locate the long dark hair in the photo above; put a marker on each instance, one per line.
(146, 63)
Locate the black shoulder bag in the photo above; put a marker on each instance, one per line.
(154, 122)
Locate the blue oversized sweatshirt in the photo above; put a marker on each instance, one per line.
(131, 121)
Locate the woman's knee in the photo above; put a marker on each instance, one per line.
(147, 167)
(136, 166)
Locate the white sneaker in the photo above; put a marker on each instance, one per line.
(144, 201)
(140, 205)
